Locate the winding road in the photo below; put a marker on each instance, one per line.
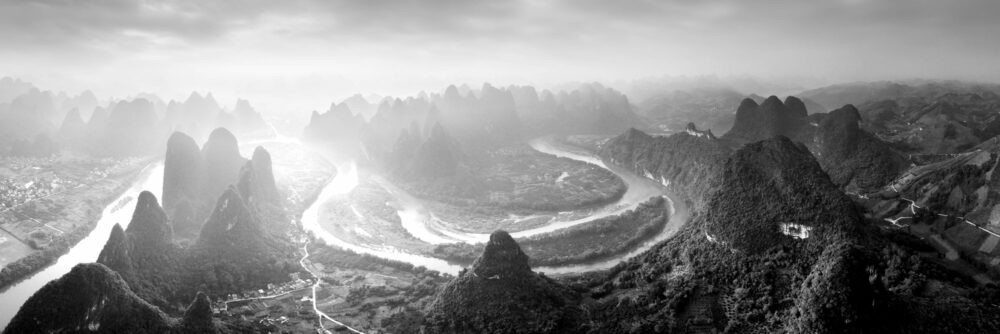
(319, 314)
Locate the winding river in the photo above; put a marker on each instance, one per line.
(421, 223)
(87, 250)
(414, 216)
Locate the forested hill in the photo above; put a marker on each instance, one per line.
(94, 299)
(685, 162)
(777, 247)
(500, 294)
(854, 158)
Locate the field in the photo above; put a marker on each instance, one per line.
(593, 241)
(50, 203)
(11, 249)
(521, 179)
(367, 216)
(357, 290)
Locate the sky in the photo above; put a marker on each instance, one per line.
(294, 54)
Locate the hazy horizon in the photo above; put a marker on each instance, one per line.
(305, 54)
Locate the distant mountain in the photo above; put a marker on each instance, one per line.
(485, 118)
(923, 117)
(361, 105)
(943, 124)
(222, 161)
(247, 120)
(131, 129)
(707, 108)
(500, 294)
(338, 126)
(491, 117)
(199, 114)
(392, 117)
(28, 115)
(855, 93)
(41, 146)
(593, 109)
(97, 123)
(436, 156)
(195, 116)
(11, 88)
(858, 93)
(73, 131)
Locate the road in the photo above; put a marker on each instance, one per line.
(951, 254)
(264, 297)
(320, 314)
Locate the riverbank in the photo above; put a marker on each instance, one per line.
(519, 180)
(602, 239)
(118, 211)
(372, 227)
(56, 222)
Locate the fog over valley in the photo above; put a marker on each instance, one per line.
(545, 166)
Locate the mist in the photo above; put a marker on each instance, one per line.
(304, 53)
(455, 166)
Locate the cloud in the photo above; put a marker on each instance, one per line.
(467, 40)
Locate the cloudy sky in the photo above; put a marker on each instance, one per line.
(319, 50)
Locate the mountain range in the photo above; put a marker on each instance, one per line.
(147, 270)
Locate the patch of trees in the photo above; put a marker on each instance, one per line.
(520, 179)
(41, 146)
(601, 239)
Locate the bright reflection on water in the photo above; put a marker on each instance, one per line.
(345, 181)
(422, 224)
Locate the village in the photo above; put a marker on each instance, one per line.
(46, 199)
(279, 304)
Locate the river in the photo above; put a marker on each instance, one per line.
(414, 217)
(118, 211)
(418, 221)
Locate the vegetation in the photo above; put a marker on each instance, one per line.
(392, 308)
(500, 294)
(853, 157)
(124, 172)
(688, 162)
(521, 179)
(716, 273)
(593, 241)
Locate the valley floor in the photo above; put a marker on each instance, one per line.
(49, 204)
